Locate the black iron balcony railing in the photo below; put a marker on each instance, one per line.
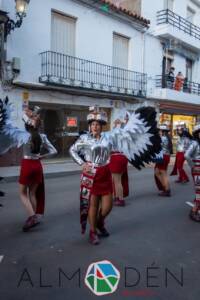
(169, 17)
(71, 71)
(169, 82)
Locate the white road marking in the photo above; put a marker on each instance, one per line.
(190, 203)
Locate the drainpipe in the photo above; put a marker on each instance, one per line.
(143, 51)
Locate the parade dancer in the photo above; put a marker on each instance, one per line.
(192, 156)
(119, 170)
(161, 176)
(31, 180)
(183, 143)
(138, 140)
(2, 194)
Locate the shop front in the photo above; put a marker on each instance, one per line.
(176, 113)
(63, 124)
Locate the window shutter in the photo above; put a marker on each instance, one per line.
(63, 34)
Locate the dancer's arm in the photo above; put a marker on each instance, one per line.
(51, 150)
(189, 154)
(75, 151)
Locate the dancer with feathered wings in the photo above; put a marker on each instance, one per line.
(31, 180)
(139, 141)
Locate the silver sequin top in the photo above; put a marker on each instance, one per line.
(183, 144)
(27, 154)
(165, 145)
(193, 153)
(96, 151)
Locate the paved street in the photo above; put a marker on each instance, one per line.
(152, 241)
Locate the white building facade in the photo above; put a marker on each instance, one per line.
(69, 55)
(173, 40)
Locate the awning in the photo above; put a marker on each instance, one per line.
(179, 108)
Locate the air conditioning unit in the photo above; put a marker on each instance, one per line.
(16, 64)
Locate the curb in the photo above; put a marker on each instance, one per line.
(55, 174)
(46, 176)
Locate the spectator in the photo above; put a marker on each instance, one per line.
(170, 78)
(179, 82)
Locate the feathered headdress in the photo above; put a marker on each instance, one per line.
(97, 115)
(163, 127)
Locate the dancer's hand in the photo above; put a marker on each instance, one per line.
(87, 167)
(117, 122)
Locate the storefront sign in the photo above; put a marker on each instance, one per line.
(25, 100)
(72, 122)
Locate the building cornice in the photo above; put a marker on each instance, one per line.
(79, 92)
(196, 2)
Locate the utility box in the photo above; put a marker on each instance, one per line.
(16, 64)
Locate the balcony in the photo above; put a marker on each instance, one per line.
(68, 71)
(164, 90)
(172, 26)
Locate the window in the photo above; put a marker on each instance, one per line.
(120, 51)
(169, 4)
(169, 60)
(120, 60)
(190, 14)
(189, 64)
(63, 34)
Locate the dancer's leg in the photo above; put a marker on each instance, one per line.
(23, 191)
(165, 180)
(32, 194)
(117, 179)
(92, 213)
(106, 205)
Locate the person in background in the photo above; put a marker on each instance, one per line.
(178, 86)
(183, 143)
(2, 194)
(170, 77)
(161, 176)
(192, 156)
(119, 169)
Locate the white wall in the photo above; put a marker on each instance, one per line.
(197, 12)
(94, 32)
(154, 51)
(179, 64)
(150, 9)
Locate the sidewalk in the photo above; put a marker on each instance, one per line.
(52, 168)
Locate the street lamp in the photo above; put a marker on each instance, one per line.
(21, 7)
(9, 24)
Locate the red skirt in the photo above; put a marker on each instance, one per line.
(164, 164)
(119, 164)
(32, 173)
(98, 184)
(102, 184)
